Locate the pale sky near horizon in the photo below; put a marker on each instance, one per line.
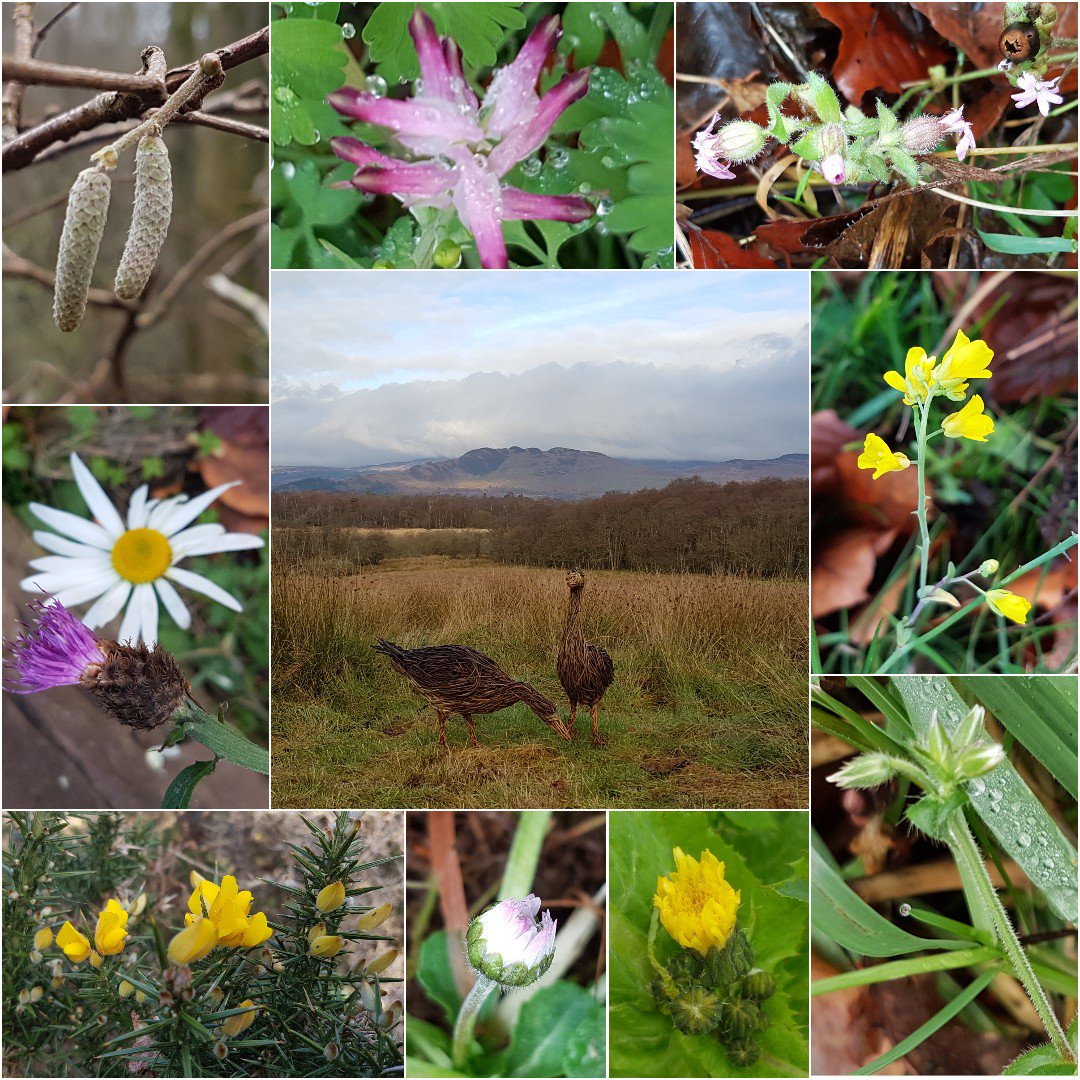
(378, 367)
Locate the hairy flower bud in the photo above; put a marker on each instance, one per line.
(738, 1019)
(139, 686)
(832, 143)
(149, 218)
(740, 140)
(508, 944)
(978, 761)
(84, 225)
(696, 1011)
(922, 135)
(864, 771)
(758, 985)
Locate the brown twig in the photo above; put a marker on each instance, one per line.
(40, 36)
(226, 124)
(118, 105)
(46, 73)
(23, 19)
(17, 266)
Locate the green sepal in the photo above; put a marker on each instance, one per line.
(931, 814)
(780, 127)
(807, 146)
(906, 165)
(886, 119)
(696, 1011)
(821, 97)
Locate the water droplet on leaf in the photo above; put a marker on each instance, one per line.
(348, 30)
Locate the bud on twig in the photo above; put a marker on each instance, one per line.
(84, 225)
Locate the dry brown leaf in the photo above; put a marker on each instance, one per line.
(886, 503)
(844, 568)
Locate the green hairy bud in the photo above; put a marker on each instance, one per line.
(149, 219)
(758, 985)
(738, 1019)
(696, 1011)
(84, 225)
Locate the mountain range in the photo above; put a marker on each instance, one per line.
(558, 473)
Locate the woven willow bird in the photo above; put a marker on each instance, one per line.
(455, 679)
(585, 671)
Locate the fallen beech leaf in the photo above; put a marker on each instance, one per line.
(843, 568)
(686, 173)
(716, 250)
(828, 437)
(1048, 590)
(886, 503)
(881, 48)
(746, 93)
(865, 626)
(247, 464)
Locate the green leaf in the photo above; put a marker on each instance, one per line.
(643, 1040)
(437, 976)
(547, 1022)
(178, 794)
(307, 62)
(1023, 828)
(844, 917)
(1009, 244)
(480, 29)
(1040, 713)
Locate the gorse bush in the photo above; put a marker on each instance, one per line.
(101, 979)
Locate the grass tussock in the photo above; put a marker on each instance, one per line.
(708, 705)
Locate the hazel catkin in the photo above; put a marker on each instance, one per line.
(149, 218)
(84, 224)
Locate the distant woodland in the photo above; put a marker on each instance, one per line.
(691, 525)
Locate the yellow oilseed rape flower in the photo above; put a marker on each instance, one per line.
(1009, 604)
(381, 963)
(916, 384)
(332, 897)
(964, 360)
(194, 942)
(43, 938)
(233, 1025)
(876, 455)
(969, 423)
(697, 905)
(76, 946)
(374, 918)
(111, 932)
(326, 945)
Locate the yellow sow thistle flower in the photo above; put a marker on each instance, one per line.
(1009, 604)
(234, 1025)
(697, 905)
(876, 455)
(969, 423)
(76, 946)
(111, 932)
(194, 942)
(331, 898)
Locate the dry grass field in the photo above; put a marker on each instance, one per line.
(708, 707)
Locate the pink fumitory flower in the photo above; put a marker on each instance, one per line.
(461, 149)
(1033, 89)
(58, 651)
(955, 124)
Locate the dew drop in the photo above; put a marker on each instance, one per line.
(604, 207)
(977, 787)
(905, 909)
(531, 166)
(348, 30)
(284, 95)
(558, 157)
(1024, 840)
(607, 161)
(375, 84)
(316, 134)
(288, 170)
(585, 188)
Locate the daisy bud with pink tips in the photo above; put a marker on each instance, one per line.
(129, 562)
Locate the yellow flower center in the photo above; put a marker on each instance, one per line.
(141, 555)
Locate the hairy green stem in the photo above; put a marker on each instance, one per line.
(968, 858)
(924, 528)
(524, 854)
(225, 741)
(466, 1019)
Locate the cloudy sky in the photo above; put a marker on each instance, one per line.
(378, 367)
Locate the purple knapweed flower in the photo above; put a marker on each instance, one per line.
(955, 124)
(462, 148)
(1042, 92)
(508, 944)
(58, 651)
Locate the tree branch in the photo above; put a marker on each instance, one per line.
(40, 36)
(223, 123)
(17, 266)
(46, 73)
(23, 19)
(117, 105)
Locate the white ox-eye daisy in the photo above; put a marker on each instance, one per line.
(114, 563)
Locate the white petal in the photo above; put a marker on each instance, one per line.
(55, 581)
(213, 545)
(108, 606)
(74, 526)
(99, 503)
(60, 545)
(174, 605)
(149, 613)
(86, 590)
(178, 541)
(130, 627)
(197, 583)
(137, 513)
(65, 565)
(173, 515)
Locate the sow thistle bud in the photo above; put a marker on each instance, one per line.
(84, 225)
(509, 945)
(149, 219)
(696, 1011)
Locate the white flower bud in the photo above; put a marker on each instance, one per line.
(508, 944)
(864, 771)
(740, 140)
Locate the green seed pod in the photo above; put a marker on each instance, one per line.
(149, 218)
(84, 224)
(758, 985)
(696, 1011)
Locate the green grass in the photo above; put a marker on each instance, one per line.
(708, 706)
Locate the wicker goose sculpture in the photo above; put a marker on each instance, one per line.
(455, 679)
(585, 670)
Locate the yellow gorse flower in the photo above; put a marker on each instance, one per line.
(332, 897)
(76, 946)
(233, 1025)
(325, 945)
(697, 906)
(228, 908)
(43, 938)
(195, 941)
(375, 917)
(381, 962)
(111, 932)
(878, 456)
(969, 423)
(1009, 604)
(925, 378)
